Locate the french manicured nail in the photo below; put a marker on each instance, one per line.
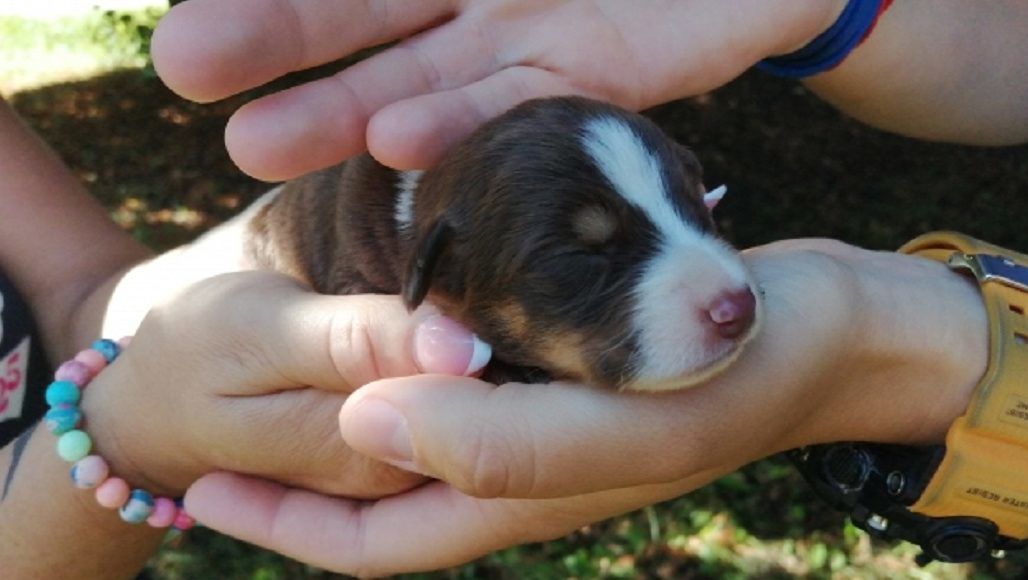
(443, 346)
(380, 430)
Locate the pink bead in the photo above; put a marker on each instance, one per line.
(164, 513)
(183, 521)
(89, 472)
(124, 341)
(93, 360)
(75, 372)
(112, 493)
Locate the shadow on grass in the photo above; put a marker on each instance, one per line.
(794, 167)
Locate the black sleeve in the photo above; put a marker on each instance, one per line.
(24, 370)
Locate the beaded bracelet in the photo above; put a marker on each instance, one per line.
(73, 444)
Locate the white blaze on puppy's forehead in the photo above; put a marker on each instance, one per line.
(632, 170)
(404, 212)
(678, 283)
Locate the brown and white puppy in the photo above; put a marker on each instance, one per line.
(571, 235)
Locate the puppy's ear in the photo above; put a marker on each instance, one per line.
(713, 197)
(422, 265)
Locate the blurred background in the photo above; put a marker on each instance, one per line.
(79, 73)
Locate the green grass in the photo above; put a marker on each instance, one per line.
(794, 167)
(38, 52)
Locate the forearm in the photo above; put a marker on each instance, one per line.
(945, 70)
(50, 529)
(56, 243)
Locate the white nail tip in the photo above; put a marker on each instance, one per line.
(479, 357)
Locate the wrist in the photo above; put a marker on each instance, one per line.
(884, 347)
(924, 347)
(81, 302)
(809, 21)
(119, 438)
(48, 528)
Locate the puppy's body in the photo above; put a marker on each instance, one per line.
(334, 229)
(570, 235)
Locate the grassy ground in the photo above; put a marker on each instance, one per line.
(794, 168)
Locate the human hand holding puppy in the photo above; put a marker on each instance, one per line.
(855, 345)
(844, 339)
(464, 63)
(461, 63)
(258, 415)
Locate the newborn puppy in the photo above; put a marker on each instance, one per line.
(572, 236)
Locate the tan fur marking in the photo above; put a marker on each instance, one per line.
(515, 317)
(593, 225)
(564, 351)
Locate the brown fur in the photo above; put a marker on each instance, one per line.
(515, 234)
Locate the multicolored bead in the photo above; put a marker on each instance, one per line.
(75, 372)
(183, 521)
(62, 418)
(107, 347)
(112, 493)
(93, 360)
(138, 507)
(164, 513)
(74, 445)
(89, 472)
(62, 393)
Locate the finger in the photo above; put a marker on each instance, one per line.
(282, 335)
(198, 56)
(416, 132)
(428, 528)
(293, 437)
(557, 440)
(322, 122)
(532, 441)
(560, 440)
(331, 533)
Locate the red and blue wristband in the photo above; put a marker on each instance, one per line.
(832, 46)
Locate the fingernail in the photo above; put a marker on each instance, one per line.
(443, 346)
(380, 430)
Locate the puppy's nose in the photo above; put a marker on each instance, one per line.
(733, 312)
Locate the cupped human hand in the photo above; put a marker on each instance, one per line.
(855, 345)
(220, 378)
(459, 63)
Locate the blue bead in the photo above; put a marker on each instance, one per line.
(106, 347)
(138, 507)
(62, 418)
(62, 393)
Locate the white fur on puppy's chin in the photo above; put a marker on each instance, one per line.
(698, 377)
(675, 346)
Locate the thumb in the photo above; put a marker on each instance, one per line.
(532, 441)
(283, 335)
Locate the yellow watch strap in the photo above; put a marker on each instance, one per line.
(985, 469)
